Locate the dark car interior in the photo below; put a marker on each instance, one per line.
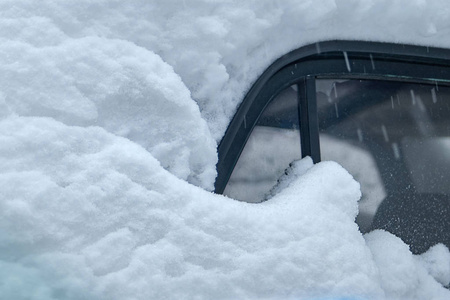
(405, 127)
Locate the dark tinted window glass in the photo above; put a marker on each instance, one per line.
(394, 138)
(272, 145)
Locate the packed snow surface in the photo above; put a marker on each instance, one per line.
(110, 114)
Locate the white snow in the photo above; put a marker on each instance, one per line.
(110, 112)
(102, 217)
(404, 276)
(437, 262)
(94, 81)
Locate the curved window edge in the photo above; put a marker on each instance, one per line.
(344, 59)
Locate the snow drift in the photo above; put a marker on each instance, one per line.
(88, 211)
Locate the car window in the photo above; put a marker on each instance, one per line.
(394, 137)
(380, 110)
(272, 145)
(360, 162)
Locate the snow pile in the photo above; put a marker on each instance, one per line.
(405, 276)
(437, 262)
(84, 211)
(86, 214)
(102, 125)
(93, 81)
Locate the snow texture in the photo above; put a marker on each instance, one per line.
(110, 112)
(96, 81)
(401, 276)
(102, 217)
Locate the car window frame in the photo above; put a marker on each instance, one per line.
(329, 59)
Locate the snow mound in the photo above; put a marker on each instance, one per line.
(437, 262)
(87, 213)
(404, 275)
(114, 84)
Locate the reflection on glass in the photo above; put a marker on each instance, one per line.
(394, 137)
(272, 145)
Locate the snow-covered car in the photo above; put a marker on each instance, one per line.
(381, 110)
(119, 120)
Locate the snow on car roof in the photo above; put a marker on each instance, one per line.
(110, 114)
